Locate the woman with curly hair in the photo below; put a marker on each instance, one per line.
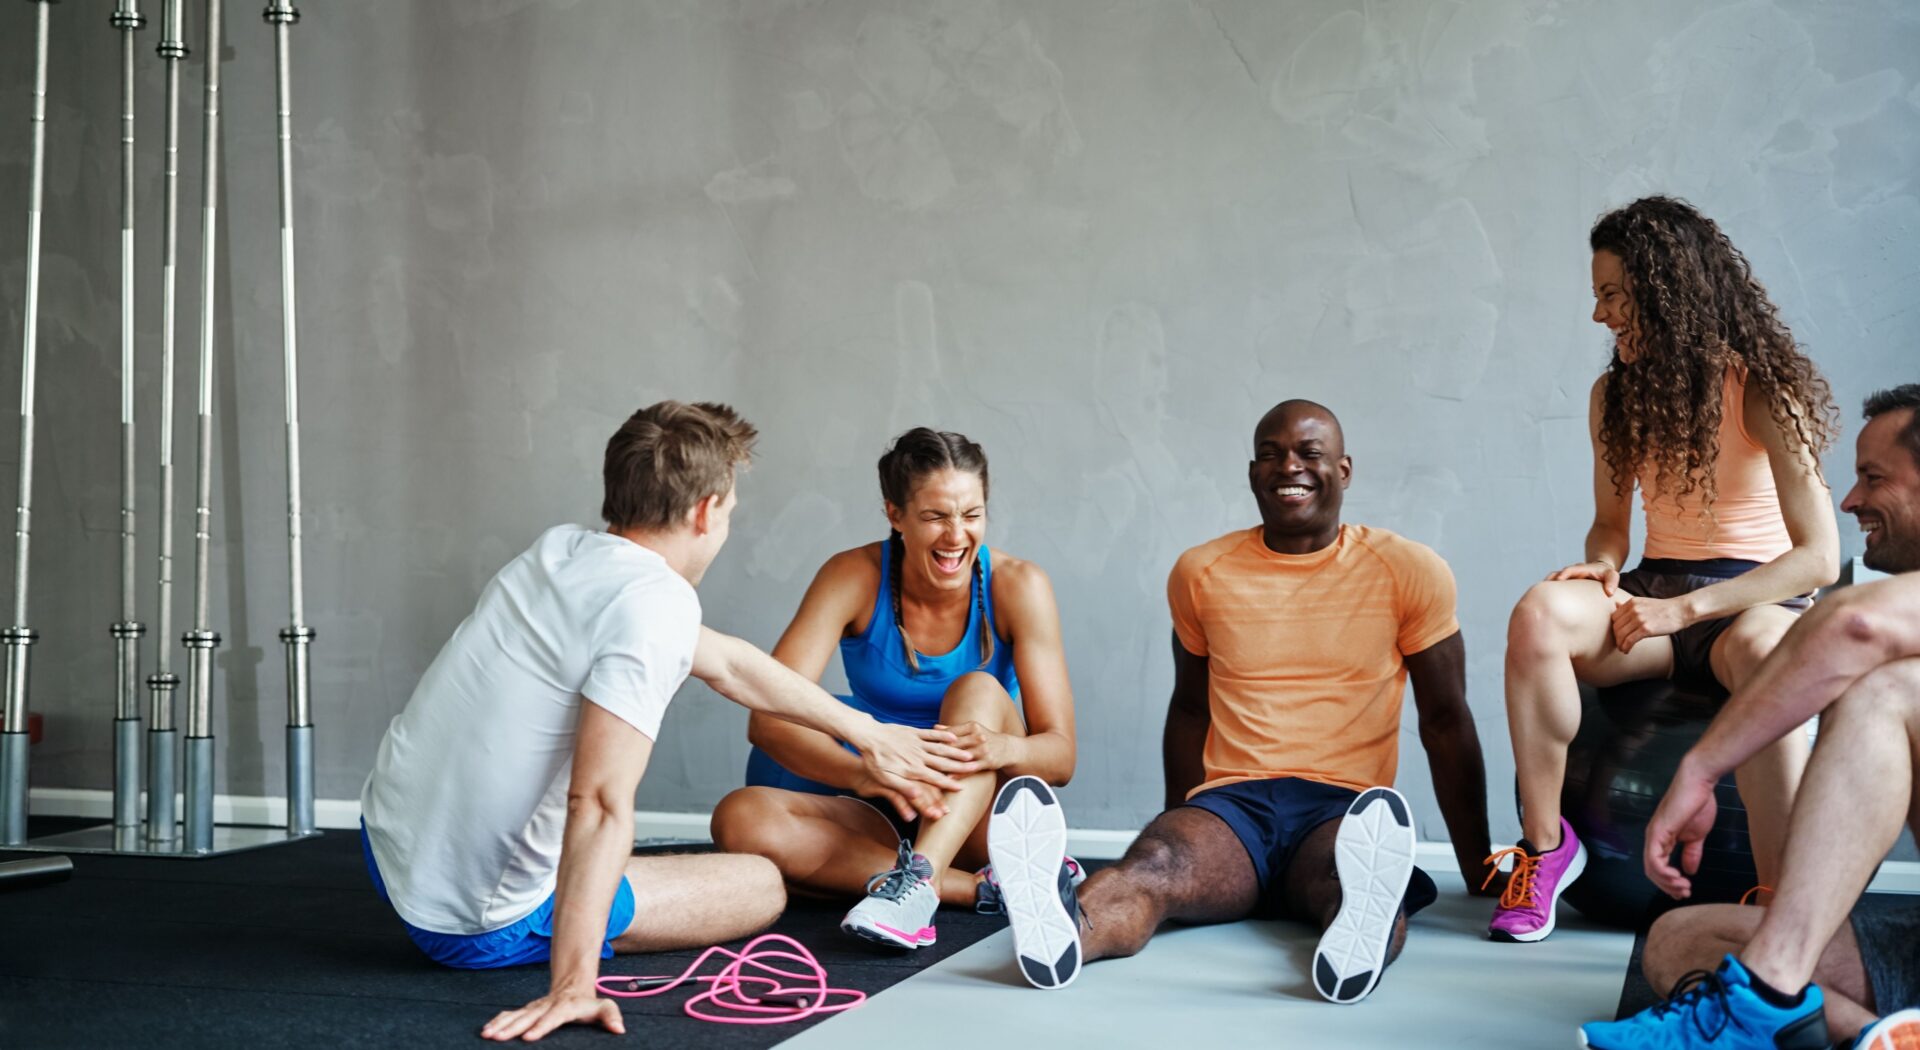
(1713, 413)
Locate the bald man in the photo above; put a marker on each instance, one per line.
(1293, 643)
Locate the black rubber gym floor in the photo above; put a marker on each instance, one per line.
(289, 947)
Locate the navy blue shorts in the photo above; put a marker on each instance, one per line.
(1273, 817)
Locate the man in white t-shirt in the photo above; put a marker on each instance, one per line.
(498, 819)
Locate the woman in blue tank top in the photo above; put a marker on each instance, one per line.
(934, 630)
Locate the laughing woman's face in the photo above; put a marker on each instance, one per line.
(943, 526)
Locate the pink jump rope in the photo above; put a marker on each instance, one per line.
(768, 994)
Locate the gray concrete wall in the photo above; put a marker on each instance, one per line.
(1099, 237)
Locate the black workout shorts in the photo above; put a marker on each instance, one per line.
(1693, 646)
(1889, 937)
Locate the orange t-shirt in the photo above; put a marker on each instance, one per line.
(1745, 520)
(1306, 652)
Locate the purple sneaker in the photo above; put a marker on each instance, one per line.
(1525, 912)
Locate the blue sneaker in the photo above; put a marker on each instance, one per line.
(1716, 1011)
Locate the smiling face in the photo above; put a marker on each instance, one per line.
(943, 527)
(1613, 304)
(1885, 498)
(1299, 474)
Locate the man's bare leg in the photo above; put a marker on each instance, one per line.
(1187, 866)
(1858, 789)
(697, 899)
(1697, 938)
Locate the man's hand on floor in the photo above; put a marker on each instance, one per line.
(549, 1012)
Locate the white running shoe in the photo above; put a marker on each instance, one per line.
(1027, 840)
(1899, 1031)
(899, 907)
(1373, 854)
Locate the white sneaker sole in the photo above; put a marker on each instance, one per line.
(1026, 838)
(1899, 1031)
(880, 933)
(1373, 853)
(1574, 871)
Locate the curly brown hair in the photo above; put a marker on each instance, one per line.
(1697, 312)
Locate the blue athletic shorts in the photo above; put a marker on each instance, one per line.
(528, 941)
(1272, 817)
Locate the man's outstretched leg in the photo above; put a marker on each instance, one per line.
(697, 899)
(1187, 865)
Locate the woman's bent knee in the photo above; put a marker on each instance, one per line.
(1748, 644)
(974, 696)
(747, 821)
(1540, 622)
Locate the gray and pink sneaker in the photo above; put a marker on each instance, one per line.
(988, 900)
(1526, 910)
(898, 910)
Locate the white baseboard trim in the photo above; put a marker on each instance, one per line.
(1896, 876)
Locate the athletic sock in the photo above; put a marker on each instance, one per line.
(1774, 997)
(1535, 851)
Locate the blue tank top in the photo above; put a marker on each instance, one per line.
(886, 688)
(876, 661)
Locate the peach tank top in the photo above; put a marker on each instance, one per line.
(1744, 521)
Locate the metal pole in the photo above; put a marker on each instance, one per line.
(127, 631)
(19, 638)
(163, 683)
(281, 14)
(201, 640)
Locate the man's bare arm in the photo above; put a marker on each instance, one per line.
(908, 766)
(1838, 641)
(1188, 719)
(609, 757)
(1439, 675)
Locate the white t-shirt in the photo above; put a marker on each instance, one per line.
(468, 795)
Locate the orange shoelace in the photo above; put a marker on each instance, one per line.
(1526, 868)
(1754, 894)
